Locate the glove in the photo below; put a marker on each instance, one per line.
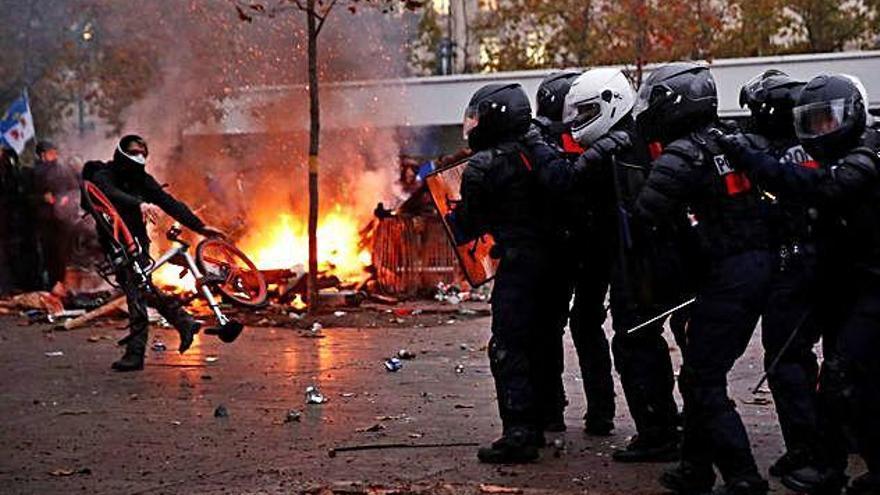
(607, 145)
(458, 235)
(736, 144)
(532, 137)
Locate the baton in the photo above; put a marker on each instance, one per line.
(662, 315)
(772, 368)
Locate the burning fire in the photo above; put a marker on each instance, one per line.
(282, 242)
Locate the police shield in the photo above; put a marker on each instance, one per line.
(445, 188)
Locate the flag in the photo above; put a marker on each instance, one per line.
(17, 124)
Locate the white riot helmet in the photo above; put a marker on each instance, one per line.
(597, 100)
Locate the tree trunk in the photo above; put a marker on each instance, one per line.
(314, 145)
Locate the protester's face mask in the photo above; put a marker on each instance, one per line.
(136, 154)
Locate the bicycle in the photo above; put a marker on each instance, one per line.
(217, 265)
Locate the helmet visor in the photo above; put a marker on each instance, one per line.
(649, 94)
(821, 118)
(471, 121)
(587, 113)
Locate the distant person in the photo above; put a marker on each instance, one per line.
(56, 188)
(18, 250)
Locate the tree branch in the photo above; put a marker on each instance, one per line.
(322, 18)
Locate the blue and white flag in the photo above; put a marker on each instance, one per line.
(17, 124)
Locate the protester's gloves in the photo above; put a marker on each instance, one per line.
(533, 137)
(606, 146)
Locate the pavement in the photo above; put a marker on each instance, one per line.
(70, 425)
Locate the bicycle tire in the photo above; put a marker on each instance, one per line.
(243, 283)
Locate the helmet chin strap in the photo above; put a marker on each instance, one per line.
(139, 159)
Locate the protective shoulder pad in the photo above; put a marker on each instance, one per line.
(685, 149)
(482, 160)
(758, 141)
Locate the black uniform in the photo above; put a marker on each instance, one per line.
(846, 192)
(736, 265)
(127, 185)
(19, 251)
(583, 254)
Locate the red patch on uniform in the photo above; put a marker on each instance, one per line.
(569, 145)
(525, 160)
(810, 164)
(655, 149)
(736, 183)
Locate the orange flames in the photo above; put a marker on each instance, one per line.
(281, 241)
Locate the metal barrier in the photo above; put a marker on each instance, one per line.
(412, 254)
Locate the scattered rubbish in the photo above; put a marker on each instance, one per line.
(416, 435)
(451, 322)
(314, 396)
(54, 353)
(207, 377)
(406, 354)
(74, 412)
(339, 314)
(316, 327)
(293, 416)
(758, 401)
(38, 316)
(459, 368)
(387, 446)
(176, 423)
(294, 316)
(463, 406)
(211, 359)
(467, 311)
(393, 365)
(160, 346)
(464, 347)
(93, 338)
(485, 488)
(402, 311)
(453, 299)
(371, 429)
(69, 472)
(44, 301)
(348, 394)
(133, 396)
(221, 412)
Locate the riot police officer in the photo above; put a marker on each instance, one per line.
(583, 255)
(788, 331)
(832, 123)
(677, 105)
(630, 255)
(499, 196)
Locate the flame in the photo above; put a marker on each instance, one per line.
(281, 241)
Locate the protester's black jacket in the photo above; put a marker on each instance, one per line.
(693, 172)
(128, 187)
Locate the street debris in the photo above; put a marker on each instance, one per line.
(54, 353)
(405, 354)
(314, 396)
(485, 488)
(159, 346)
(293, 416)
(758, 401)
(221, 412)
(388, 446)
(371, 429)
(459, 368)
(63, 472)
(393, 365)
(211, 359)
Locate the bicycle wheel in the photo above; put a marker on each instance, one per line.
(231, 272)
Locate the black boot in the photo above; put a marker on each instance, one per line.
(815, 480)
(186, 336)
(744, 486)
(645, 449)
(685, 479)
(865, 484)
(791, 460)
(516, 446)
(130, 361)
(597, 426)
(554, 421)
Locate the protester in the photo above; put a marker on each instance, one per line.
(138, 198)
(18, 242)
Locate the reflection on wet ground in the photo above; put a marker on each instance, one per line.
(155, 431)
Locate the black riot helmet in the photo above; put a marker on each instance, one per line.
(674, 100)
(496, 112)
(770, 97)
(551, 94)
(831, 115)
(124, 156)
